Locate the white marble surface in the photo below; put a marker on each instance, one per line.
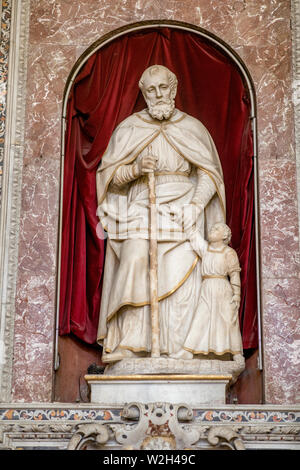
(194, 391)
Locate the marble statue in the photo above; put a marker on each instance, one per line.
(178, 150)
(215, 326)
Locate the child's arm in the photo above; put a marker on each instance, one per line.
(234, 277)
(187, 219)
(235, 282)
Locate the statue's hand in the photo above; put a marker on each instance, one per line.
(236, 300)
(186, 216)
(147, 164)
(190, 216)
(175, 212)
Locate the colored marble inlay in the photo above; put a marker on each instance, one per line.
(38, 414)
(242, 416)
(253, 416)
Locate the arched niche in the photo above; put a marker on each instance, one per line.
(215, 87)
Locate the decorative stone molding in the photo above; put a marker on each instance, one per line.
(152, 426)
(11, 187)
(225, 437)
(5, 15)
(95, 433)
(159, 428)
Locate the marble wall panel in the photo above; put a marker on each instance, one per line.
(270, 68)
(278, 213)
(251, 22)
(282, 340)
(60, 30)
(48, 68)
(35, 312)
(82, 22)
(237, 22)
(280, 280)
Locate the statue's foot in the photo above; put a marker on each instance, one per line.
(182, 354)
(239, 358)
(117, 355)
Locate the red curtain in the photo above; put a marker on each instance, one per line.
(104, 93)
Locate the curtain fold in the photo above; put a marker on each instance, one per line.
(103, 94)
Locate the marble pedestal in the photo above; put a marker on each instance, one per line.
(148, 380)
(194, 390)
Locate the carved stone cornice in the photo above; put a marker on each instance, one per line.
(152, 426)
(11, 187)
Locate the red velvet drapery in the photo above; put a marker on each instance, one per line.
(104, 93)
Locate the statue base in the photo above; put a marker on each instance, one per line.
(194, 390)
(166, 365)
(196, 382)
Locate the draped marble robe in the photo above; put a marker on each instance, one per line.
(216, 316)
(188, 171)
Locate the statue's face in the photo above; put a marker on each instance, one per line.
(157, 88)
(159, 95)
(217, 233)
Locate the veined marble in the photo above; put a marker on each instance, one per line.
(59, 32)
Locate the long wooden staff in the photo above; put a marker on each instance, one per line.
(155, 333)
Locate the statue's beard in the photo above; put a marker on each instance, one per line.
(161, 111)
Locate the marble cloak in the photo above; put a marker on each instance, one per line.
(192, 141)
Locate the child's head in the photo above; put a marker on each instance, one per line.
(218, 232)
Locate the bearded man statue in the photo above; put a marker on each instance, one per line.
(188, 174)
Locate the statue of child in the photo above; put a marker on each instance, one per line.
(215, 327)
